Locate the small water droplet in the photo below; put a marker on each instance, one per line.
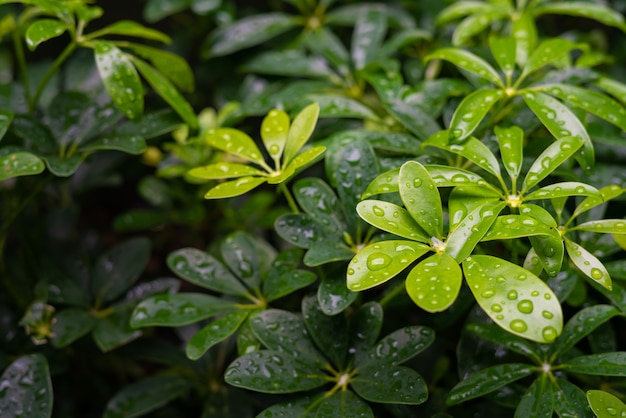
(496, 307)
(525, 306)
(547, 314)
(549, 334)
(512, 295)
(488, 293)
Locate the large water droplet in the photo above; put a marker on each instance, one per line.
(518, 325)
(525, 306)
(378, 261)
(596, 273)
(549, 334)
(378, 211)
(547, 314)
(488, 293)
(496, 307)
(512, 295)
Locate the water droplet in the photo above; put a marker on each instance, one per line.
(525, 306)
(378, 261)
(512, 295)
(596, 273)
(496, 307)
(518, 325)
(547, 314)
(549, 334)
(547, 296)
(488, 293)
(378, 211)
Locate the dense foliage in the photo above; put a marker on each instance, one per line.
(312, 208)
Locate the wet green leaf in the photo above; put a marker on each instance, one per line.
(277, 286)
(235, 142)
(593, 11)
(471, 111)
(468, 62)
(378, 382)
(133, 145)
(298, 163)
(327, 251)
(70, 325)
(42, 30)
(335, 106)
(537, 401)
(243, 258)
(274, 132)
(301, 230)
(31, 129)
(20, 164)
(416, 120)
(6, 117)
(204, 270)
(391, 218)
(445, 176)
(319, 201)
(330, 333)
(588, 263)
(367, 37)
(234, 188)
(116, 270)
(224, 170)
(462, 9)
(475, 24)
(343, 404)
(561, 123)
(514, 298)
(421, 198)
(333, 295)
(435, 282)
(507, 340)
(487, 380)
(325, 43)
(549, 52)
(524, 30)
(178, 309)
(114, 330)
(131, 28)
(289, 63)
(170, 65)
(605, 404)
(301, 130)
(517, 226)
(606, 226)
(120, 79)
(146, 395)
(607, 364)
(511, 143)
(167, 91)
(214, 333)
(302, 407)
(607, 193)
(504, 50)
(27, 388)
(386, 182)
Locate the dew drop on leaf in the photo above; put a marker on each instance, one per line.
(518, 325)
(378, 261)
(525, 306)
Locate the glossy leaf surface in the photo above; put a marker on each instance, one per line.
(511, 143)
(421, 198)
(582, 324)
(471, 111)
(274, 131)
(301, 130)
(593, 11)
(70, 325)
(20, 164)
(435, 282)
(42, 30)
(170, 65)
(469, 62)
(606, 364)
(391, 218)
(27, 388)
(214, 333)
(234, 188)
(396, 384)
(537, 400)
(604, 404)
(588, 263)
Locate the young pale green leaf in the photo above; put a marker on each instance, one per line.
(550, 251)
(468, 62)
(509, 341)
(301, 130)
(588, 263)
(561, 123)
(605, 226)
(487, 380)
(605, 405)
(511, 143)
(301, 230)
(518, 226)
(538, 401)
(6, 117)
(592, 101)
(341, 404)
(235, 142)
(167, 91)
(378, 382)
(462, 8)
(204, 270)
(416, 120)
(514, 298)
(32, 400)
(172, 66)
(434, 283)
(607, 364)
(524, 30)
(298, 163)
(234, 188)
(247, 32)
(214, 333)
(179, 309)
(475, 24)
(466, 235)
(548, 52)
(550, 159)
(274, 131)
(120, 79)
(225, 170)
(446, 176)
(367, 37)
(598, 12)
(330, 333)
(583, 323)
(471, 111)
(381, 261)
(42, 30)
(503, 50)
(386, 182)
(70, 325)
(421, 198)
(607, 193)
(20, 163)
(146, 395)
(391, 218)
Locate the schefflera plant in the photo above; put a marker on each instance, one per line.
(516, 299)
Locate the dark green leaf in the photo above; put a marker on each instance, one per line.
(343, 404)
(607, 364)
(289, 63)
(327, 251)
(301, 230)
(214, 333)
(34, 131)
(475, 24)
(400, 346)
(242, 256)
(569, 400)
(504, 51)
(461, 9)
(42, 30)
(509, 341)
(170, 65)
(280, 285)
(302, 407)
(134, 145)
(70, 325)
(598, 12)
(156, 10)
(333, 295)
(391, 218)
(367, 37)
(130, 28)
(114, 330)
(421, 198)
(588, 263)
(378, 382)
(146, 395)
(550, 51)
(26, 388)
(582, 324)
(336, 106)
(537, 401)
(511, 143)
(330, 333)
(325, 43)
(63, 167)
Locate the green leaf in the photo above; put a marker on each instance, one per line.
(319, 201)
(561, 123)
(613, 87)
(365, 326)
(606, 226)
(524, 30)
(421, 198)
(462, 8)
(399, 346)
(130, 28)
(326, 44)
(505, 339)
(416, 120)
(42, 30)
(537, 402)
(378, 382)
(367, 37)
(588, 263)
(386, 182)
(133, 145)
(224, 170)
(156, 10)
(446, 176)
(592, 101)
(607, 364)
(336, 106)
(167, 91)
(435, 282)
(593, 11)
(504, 51)
(117, 269)
(487, 380)
(170, 65)
(514, 298)
(391, 218)
(178, 309)
(113, 330)
(120, 79)
(235, 142)
(550, 159)
(604, 404)
(581, 325)
(326, 252)
(27, 388)
(475, 24)
(6, 117)
(301, 130)
(333, 295)
(330, 333)
(343, 404)
(247, 32)
(146, 395)
(607, 193)
(298, 163)
(289, 63)
(277, 286)
(204, 270)
(569, 399)
(471, 111)
(517, 226)
(70, 325)
(548, 52)
(243, 257)
(214, 333)
(274, 131)
(20, 164)
(468, 62)
(234, 188)
(511, 143)
(381, 261)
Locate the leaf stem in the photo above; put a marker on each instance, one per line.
(21, 62)
(53, 69)
(290, 200)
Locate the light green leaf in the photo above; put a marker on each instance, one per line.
(131, 28)
(381, 261)
(276, 286)
(511, 143)
(461, 9)
(588, 263)
(463, 200)
(214, 333)
(235, 142)
(468, 62)
(504, 50)
(518, 226)
(604, 404)
(569, 399)
(167, 91)
(548, 52)
(497, 335)
(298, 163)
(421, 198)
(386, 182)
(434, 283)
(593, 11)
(301, 130)
(605, 226)
(20, 163)
(391, 218)
(6, 117)
(471, 111)
(524, 30)
(120, 79)
(32, 400)
(170, 65)
(225, 170)
(550, 159)
(514, 298)
(274, 131)
(63, 167)
(565, 189)
(341, 404)
(323, 42)
(446, 176)
(42, 30)
(613, 87)
(472, 149)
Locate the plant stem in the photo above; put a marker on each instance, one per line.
(21, 62)
(46, 78)
(392, 294)
(290, 200)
